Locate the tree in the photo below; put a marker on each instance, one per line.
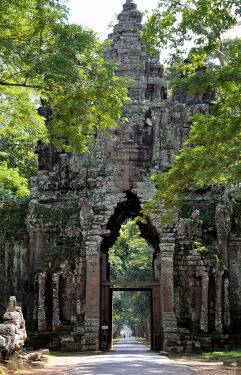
(131, 257)
(211, 154)
(44, 57)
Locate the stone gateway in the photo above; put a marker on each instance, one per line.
(54, 247)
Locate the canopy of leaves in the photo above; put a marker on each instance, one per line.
(131, 257)
(211, 154)
(132, 309)
(177, 24)
(44, 57)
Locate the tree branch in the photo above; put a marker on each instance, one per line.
(3, 83)
(13, 75)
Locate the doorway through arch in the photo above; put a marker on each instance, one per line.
(129, 209)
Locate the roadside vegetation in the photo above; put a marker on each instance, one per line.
(222, 355)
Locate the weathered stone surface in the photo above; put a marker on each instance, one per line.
(12, 331)
(190, 229)
(54, 248)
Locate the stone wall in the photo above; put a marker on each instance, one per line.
(52, 261)
(14, 253)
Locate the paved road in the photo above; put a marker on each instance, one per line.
(129, 358)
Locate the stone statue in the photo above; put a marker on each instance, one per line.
(190, 229)
(12, 331)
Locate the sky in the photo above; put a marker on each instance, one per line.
(98, 14)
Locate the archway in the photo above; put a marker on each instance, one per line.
(129, 209)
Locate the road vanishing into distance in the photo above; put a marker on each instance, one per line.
(129, 358)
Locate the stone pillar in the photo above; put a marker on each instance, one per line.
(169, 321)
(42, 324)
(55, 282)
(157, 267)
(218, 302)
(92, 298)
(204, 303)
(223, 229)
(226, 305)
(167, 281)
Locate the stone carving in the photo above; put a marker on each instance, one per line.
(190, 229)
(56, 257)
(223, 222)
(223, 225)
(12, 331)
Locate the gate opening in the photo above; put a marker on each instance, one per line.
(129, 265)
(132, 314)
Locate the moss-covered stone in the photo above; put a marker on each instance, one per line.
(57, 254)
(13, 215)
(57, 214)
(208, 253)
(207, 211)
(236, 220)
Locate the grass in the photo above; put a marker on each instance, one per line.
(144, 341)
(222, 356)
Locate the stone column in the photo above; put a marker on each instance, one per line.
(171, 338)
(204, 303)
(55, 282)
(167, 281)
(226, 305)
(92, 298)
(223, 229)
(157, 267)
(42, 324)
(218, 302)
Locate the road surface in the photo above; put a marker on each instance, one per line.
(129, 358)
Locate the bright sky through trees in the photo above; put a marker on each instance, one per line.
(98, 14)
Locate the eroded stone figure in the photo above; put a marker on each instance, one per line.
(190, 229)
(12, 331)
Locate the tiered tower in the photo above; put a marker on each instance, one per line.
(59, 253)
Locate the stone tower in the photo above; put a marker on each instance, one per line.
(77, 206)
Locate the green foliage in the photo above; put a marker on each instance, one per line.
(200, 23)
(221, 356)
(11, 182)
(131, 260)
(211, 155)
(13, 214)
(132, 309)
(130, 257)
(207, 212)
(57, 214)
(44, 57)
(208, 252)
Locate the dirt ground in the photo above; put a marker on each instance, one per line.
(208, 368)
(60, 366)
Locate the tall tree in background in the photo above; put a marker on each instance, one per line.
(44, 57)
(211, 154)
